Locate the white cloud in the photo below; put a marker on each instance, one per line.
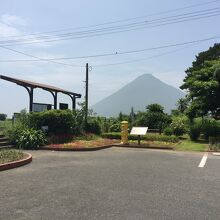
(13, 20)
(15, 26)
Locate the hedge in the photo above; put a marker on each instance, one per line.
(147, 137)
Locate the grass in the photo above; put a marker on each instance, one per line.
(5, 125)
(188, 145)
(10, 155)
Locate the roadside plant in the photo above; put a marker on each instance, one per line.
(194, 131)
(168, 131)
(178, 126)
(31, 139)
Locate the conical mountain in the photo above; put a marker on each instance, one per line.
(144, 90)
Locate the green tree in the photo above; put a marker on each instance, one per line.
(182, 104)
(203, 84)
(154, 117)
(3, 117)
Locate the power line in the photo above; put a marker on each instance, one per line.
(123, 28)
(38, 58)
(121, 20)
(112, 53)
(142, 59)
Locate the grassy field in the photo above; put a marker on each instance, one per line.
(188, 145)
(4, 125)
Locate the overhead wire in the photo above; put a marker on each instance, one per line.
(118, 29)
(38, 58)
(121, 20)
(108, 54)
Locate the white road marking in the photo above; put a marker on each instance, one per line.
(203, 160)
(216, 154)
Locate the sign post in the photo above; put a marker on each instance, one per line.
(139, 131)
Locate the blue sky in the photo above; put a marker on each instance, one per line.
(18, 18)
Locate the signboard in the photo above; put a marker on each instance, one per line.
(63, 106)
(40, 107)
(44, 128)
(139, 130)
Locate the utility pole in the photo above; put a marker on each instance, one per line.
(87, 92)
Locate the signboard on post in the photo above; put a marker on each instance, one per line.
(139, 131)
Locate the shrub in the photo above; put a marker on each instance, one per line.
(147, 137)
(115, 127)
(214, 143)
(93, 126)
(210, 127)
(3, 117)
(168, 131)
(31, 139)
(58, 121)
(14, 133)
(178, 126)
(194, 131)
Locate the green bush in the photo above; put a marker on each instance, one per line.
(147, 137)
(3, 117)
(178, 126)
(115, 127)
(214, 143)
(93, 126)
(31, 139)
(58, 121)
(14, 133)
(210, 127)
(194, 131)
(168, 131)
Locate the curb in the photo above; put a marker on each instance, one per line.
(18, 163)
(105, 147)
(76, 149)
(145, 147)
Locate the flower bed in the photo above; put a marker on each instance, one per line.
(10, 155)
(96, 144)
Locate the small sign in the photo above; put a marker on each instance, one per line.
(139, 130)
(45, 128)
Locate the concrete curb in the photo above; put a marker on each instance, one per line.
(145, 147)
(18, 163)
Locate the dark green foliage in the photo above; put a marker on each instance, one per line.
(194, 131)
(115, 127)
(3, 117)
(147, 137)
(212, 53)
(93, 126)
(182, 104)
(155, 108)
(31, 139)
(210, 127)
(15, 132)
(203, 84)
(168, 131)
(58, 121)
(154, 117)
(214, 143)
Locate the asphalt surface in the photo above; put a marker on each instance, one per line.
(113, 183)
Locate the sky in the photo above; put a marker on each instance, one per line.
(25, 19)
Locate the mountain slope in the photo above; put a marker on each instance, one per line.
(144, 90)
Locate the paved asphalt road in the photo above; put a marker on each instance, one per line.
(114, 184)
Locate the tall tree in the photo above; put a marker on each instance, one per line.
(203, 85)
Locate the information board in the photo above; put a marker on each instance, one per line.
(139, 130)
